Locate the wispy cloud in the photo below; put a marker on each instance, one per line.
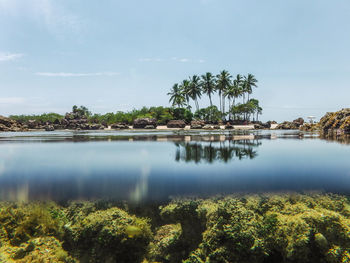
(10, 56)
(175, 59)
(70, 74)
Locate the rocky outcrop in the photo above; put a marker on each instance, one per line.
(8, 125)
(228, 126)
(77, 121)
(335, 123)
(119, 126)
(142, 123)
(294, 125)
(309, 127)
(176, 124)
(198, 124)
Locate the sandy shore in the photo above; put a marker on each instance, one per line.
(222, 127)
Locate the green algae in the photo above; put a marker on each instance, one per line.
(262, 228)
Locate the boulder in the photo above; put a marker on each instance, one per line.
(149, 127)
(176, 124)
(335, 123)
(119, 126)
(300, 121)
(141, 123)
(8, 125)
(258, 126)
(208, 127)
(287, 126)
(198, 124)
(49, 128)
(228, 126)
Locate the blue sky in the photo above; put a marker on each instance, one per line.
(118, 55)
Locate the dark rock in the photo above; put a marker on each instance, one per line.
(258, 126)
(8, 125)
(228, 126)
(119, 126)
(149, 127)
(335, 123)
(287, 126)
(176, 124)
(310, 127)
(198, 124)
(300, 121)
(141, 123)
(49, 128)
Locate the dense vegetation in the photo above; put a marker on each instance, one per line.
(226, 87)
(275, 228)
(162, 114)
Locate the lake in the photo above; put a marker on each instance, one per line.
(142, 166)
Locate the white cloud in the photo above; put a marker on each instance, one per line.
(10, 56)
(183, 60)
(69, 74)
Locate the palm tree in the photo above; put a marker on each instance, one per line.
(176, 96)
(229, 93)
(223, 82)
(208, 85)
(185, 86)
(248, 84)
(237, 90)
(194, 90)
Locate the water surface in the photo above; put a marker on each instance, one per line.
(155, 165)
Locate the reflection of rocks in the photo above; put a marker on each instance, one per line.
(145, 123)
(7, 125)
(198, 124)
(176, 124)
(336, 123)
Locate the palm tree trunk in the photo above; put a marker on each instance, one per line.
(223, 104)
(229, 109)
(211, 103)
(197, 105)
(233, 104)
(220, 101)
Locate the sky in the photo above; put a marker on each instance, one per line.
(112, 55)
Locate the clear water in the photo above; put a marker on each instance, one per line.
(155, 165)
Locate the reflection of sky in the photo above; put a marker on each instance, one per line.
(141, 170)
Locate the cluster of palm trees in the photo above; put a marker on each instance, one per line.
(208, 84)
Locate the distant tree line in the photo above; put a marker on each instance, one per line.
(228, 89)
(161, 114)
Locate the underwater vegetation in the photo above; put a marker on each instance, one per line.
(262, 228)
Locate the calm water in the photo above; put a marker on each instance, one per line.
(153, 166)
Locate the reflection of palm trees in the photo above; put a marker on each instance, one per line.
(209, 153)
